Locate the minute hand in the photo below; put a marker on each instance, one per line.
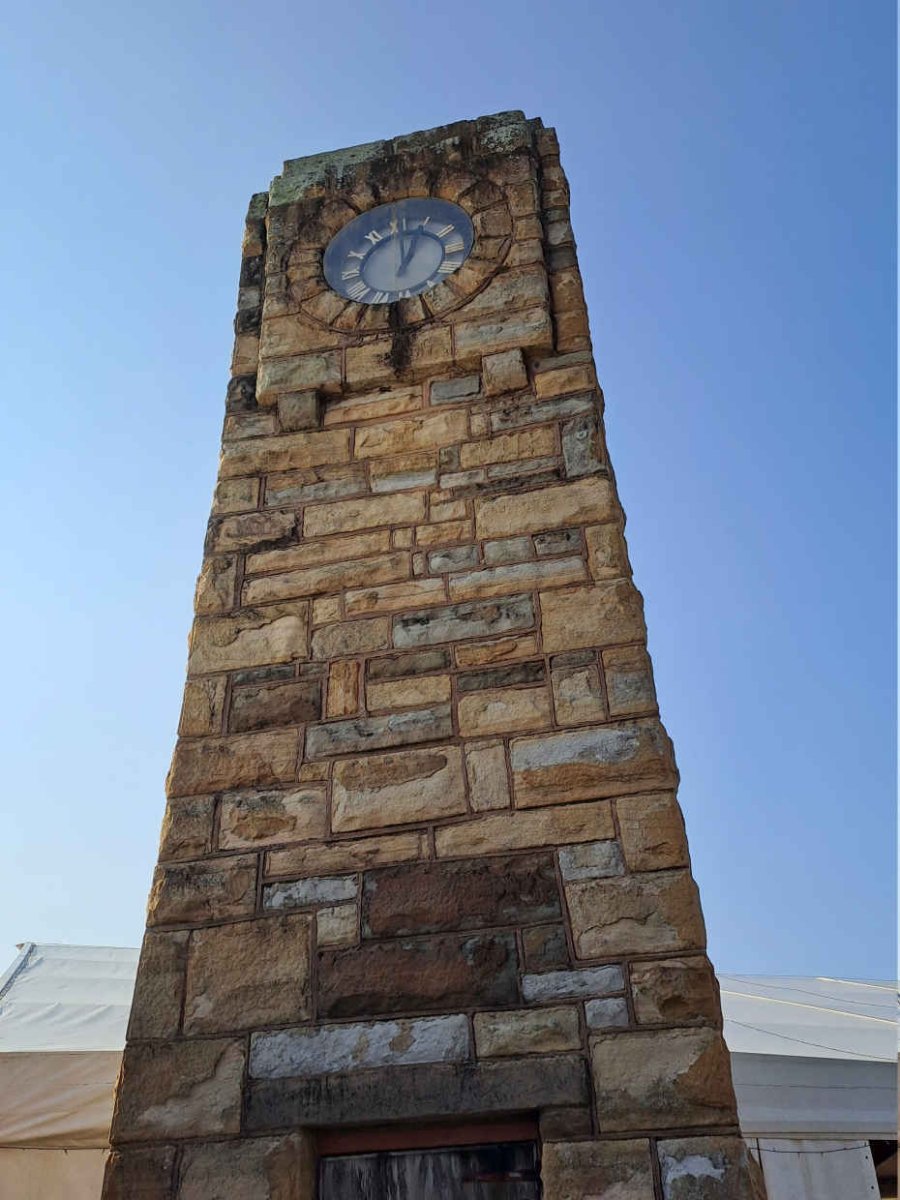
(408, 253)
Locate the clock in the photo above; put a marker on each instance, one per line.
(397, 251)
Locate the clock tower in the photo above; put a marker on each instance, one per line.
(423, 925)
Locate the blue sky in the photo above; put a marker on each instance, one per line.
(733, 191)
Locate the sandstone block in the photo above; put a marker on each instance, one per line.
(587, 501)
(235, 495)
(459, 622)
(350, 855)
(259, 818)
(203, 707)
(675, 991)
(629, 680)
(319, 482)
(507, 550)
(572, 985)
(496, 832)
(428, 348)
(705, 1168)
(668, 1079)
(582, 445)
(452, 391)
(248, 974)
(300, 373)
(343, 516)
(503, 710)
(578, 695)
(379, 733)
(499, 651)
(518, 577)
(412, 663)
(591, 860)
(403, 473)
(355, 1047)
(600, 615)
(216, 589)
(133, 1174)
(308, 554)
(606, 1014)
(343, 688)
(249, 1169)
(652, 831)
(284, 452)
(444, 533)
(242, 760)
(250, 531)
(528, 330)
(187, 827)
(350, 638)
(159, 986)
(329, 578)
(575, 377)
(393, 596)
(373, 405)
(408, 693)
(508, 447)
(394, 789)
(179, 1090)
(336, 925)
(456, 558)
(515, 413)
(291, 703)
(438, 896)
(307, 893)
(607, 553)
(635, 914)
(403, 974)
(587, 763)
(558, 541)
(620, 1170)
(504, 372)
(526, 1031)
(325, 609)
(299, 410)
(545, 948)
(487, 776)
(412, 433)
(255, 636)
(215, 890)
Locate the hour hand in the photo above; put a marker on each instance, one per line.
(407, 252)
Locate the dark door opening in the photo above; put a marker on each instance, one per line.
(499, 1171)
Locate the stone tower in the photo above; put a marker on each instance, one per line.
(423, 900)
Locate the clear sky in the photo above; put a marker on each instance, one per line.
(732, 165)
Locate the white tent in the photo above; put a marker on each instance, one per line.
(814, 1064)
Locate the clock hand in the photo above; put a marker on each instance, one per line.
(410, 250)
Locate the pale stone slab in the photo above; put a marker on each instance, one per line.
(258, 818)
(408, 693)
(256, 636)
(494, 832)
(458, 622)
(675, 991)
(537, 442)
(591, 860)
(503, 710)
(357, 1046)
(413, 433)
(589, 501)
(652, 831)
(336, 925)
(701, 1168)
(487, 775)
(243, 760)
(345, 516)
(572, 985)
(307, 892)
(578, 696)
(379, 733)
(329, 578)
(526, 1031)
(606, 1014)
(350, 638)
(607, 1170)
(318, 553)
(635, 914)
(286, 452)
(601, 615)
(351, 855)
(629, 680)
(394, 789)
(517, 577)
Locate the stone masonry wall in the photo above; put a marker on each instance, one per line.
(422, 857)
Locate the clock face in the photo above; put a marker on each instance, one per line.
(398, 250)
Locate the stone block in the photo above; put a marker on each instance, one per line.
(586, 763)
(159, 986)
(216, 890)
(578, 695)
(515, 413)
(611, 1013)
(203, 707)
(499, 651)
(507, 550)
(503, 710)
(343, 688)
(652, 832)
(617, 1170)
(536, 442)
(235, 495)
(417, 1093)
(299, 410)
(242, 760)
(558, 541)
(526, 1031)
(138, 1174)
(307, 893)
(516, 577)
(528, 330)
(434, 897)
(418, 974)
(302, 372)
(400, 666)
(408, 693)
(314, 484)
(350, 855)
(667, 1079)
(452, 391)
(187, 827)
(629, 680)
(394, 789)
(564, 1124)
(487, 776)
(566, 378)
(345, 516)
(496, 832)
(707, 1168)
(372, 405)
(249, 1169)
(635, 914)
(256, 636)
(317, 553)
(585, 502)
(393, 596)
(504, 372)
(600, 615)
(373, 362)
(336, 925)
(179, 1090)
(545, 948)
(456, 558)
(216, 589)
(572, 985)
(327, 579)
(248, 974)
(407, 471)
(357, 1046)
(675, 991)
(274, 704)
(607, 553)
(250, 531)
(351, 638)
(284, 452)
(261, 817)
(582, 445)
(591, 860)
(444, 533)
(458, 622)
(411, 433)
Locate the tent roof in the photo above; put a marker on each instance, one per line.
(73, 998)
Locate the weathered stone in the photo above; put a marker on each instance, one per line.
(250, 531)
(608, 612)
(493, 833)
(487, 776)
(242, 760)
(417, 1093)
(636, 914)
(507, 550)
(506, 710)
(508, 447)
(203, 707)
(451, 391)
(558, 541)
(652, 831)
(325, 609)
(321, 482)
(248, 974)
(504, 372)
(629, 680)
(591, 860)
(411, 433)
(187, 827)
(499, 651)
(563, 1124)
(517, 577)
(456, 558)
(275, 704)
(393, 789)
(343, 688)
(675, 991)
(216, 589)
(585, 763)
(191, 892)
(668, 1079)
(545, 948)
(447, 971)
(559, 380)
(299, 410)
(607, 554)
(619, 1170)
(444, 533)
(526, 1031)
(405, 472)
(408, 693)
(347, 855)
(437, 896)
(344, 516)
(284, 452)
(320, 552)
(606, 1014)
(572, 985)
(300, 373)
(515, 414)
(309, 892)
(336, 925)
(276, 633)
(249, 1169)
(139, 1174)
(328, 578)
(417, 662)
(269, 674)
(457, 622)
(582, 445)
(706, 1168)
(428, 349)
(588, 501)
(354, 1047)
(393, 596)
(259, 818)
(578, 695)
(531, 330)
(235, 495)
(179, 1090)
(350, 638)
(159, 986)
(373, 405)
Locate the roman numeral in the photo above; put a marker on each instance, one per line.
(445, 231)
(455, 247)
(353, 273)
(447, 267)
(357, 291)
(356, 254)
(374, 237)
(380, 298)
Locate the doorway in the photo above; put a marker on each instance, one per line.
(493, 1171)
